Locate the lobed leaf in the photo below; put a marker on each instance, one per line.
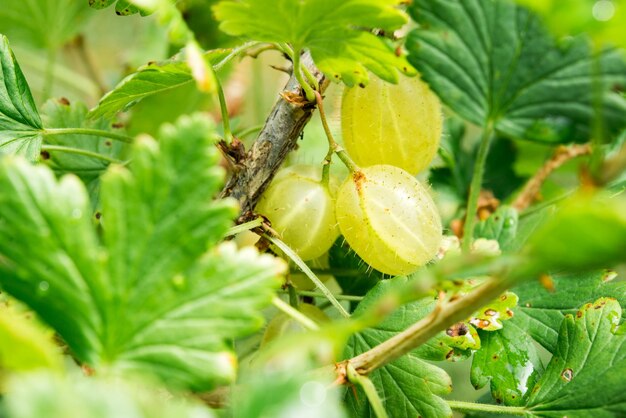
(509, 362)
(60, 115)
(585, 376)
(155, 296)
(148, 80)
(20, 124)
(337, 33)
(500, 226)
(541, 311)
(493, 63)
(122, 7)
(409, 386)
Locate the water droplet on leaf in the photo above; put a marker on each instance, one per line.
(43, 287)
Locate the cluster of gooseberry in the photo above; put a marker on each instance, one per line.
(391, 133)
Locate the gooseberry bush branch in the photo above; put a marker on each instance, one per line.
(156, 258)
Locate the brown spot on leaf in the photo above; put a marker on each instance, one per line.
(491, 312)
(458, 330)
(567, 375)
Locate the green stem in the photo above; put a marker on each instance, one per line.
(346, 160)
(86, 131)
(234, 53)
(294, 299)
(333, 146)
(306, 270)
(78, 151)
(285, 49)
(477, 182)
(294, 313)
(297, 71)
(312, 80)
(244, 227)
(480, 407)
(228, 135)
(443, 316)
(321, 295)
(370, 391)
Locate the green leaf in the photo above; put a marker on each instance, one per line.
(88, 169)
(409, 386)
(293, 392)
(586, 375)
(148, 80)
(45, 395)
(150, 298)
(587, 232)
(336, 33)
(492, 62)
(361, 278)
(20, 124)
(490, 317)
(24, 344)
(42, 23)
(122, 7)
(528, 222)
(540, 311)
(500, 226)
(456, 174)
(509, 361)
(604, 22)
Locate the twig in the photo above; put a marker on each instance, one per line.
(562, 155)
(441, 318)
(278, 137)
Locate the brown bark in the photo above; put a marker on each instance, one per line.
(278, 137)
(562, 155)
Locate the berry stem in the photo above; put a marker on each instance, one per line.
(477, 181)
(333, 146)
